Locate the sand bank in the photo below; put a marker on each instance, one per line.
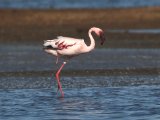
(28, 26)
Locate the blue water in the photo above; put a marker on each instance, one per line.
(101, 103)
(33, 96)
(62, 4)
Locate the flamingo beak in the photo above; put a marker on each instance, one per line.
(102, 37)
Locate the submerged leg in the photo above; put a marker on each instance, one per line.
(58, 80)
(57, 58)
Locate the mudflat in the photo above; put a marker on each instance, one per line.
(34, 26)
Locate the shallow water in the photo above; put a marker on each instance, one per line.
(120, 84)
(47, 82)
(62, 4)
(88, 103)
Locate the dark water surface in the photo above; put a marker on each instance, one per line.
(62, 4)
(104, 84)
(33, 58)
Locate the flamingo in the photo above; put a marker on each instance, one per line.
(69, 47)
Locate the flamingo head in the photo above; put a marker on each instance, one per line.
(102, 37)
(99, 32)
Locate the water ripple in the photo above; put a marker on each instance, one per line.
(87, 103)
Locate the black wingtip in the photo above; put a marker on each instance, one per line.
(48, 47)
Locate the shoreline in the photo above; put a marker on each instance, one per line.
(34, 26)
(36, 80)
(86, 72)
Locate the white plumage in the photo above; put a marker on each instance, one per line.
(69, 47)
(65, 46)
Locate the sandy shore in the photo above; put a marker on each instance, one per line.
(34, 26)
(97, 72)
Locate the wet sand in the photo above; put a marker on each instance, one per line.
(34, 26)
(80, 79)
(95, 72)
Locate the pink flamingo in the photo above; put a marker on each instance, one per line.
(70, 47)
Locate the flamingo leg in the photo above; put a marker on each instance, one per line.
(58, 79)
(57, 58)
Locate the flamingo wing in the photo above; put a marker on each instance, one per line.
(61, 43)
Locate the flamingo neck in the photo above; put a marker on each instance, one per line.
(92, 41)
